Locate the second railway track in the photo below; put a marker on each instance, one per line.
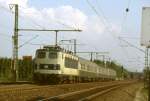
(86, 94)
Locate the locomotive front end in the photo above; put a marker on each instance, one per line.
(47, 65)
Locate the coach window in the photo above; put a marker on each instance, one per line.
(52, 55)
(41, 54)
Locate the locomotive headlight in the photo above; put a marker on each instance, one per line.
(46, 66)
(56, 66)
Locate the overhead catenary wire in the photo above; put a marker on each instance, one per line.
(132, 45)
(103, 14)
(130, 37)
(105, 22)
(125, 19)
(127, 10)
(122, 25)
(28, 41)
(97, 13)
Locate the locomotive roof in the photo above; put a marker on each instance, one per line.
(55, 49)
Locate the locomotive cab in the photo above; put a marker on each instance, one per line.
(47, 60)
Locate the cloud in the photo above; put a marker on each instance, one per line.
(66, 16)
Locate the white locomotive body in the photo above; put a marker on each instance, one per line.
(56, 65)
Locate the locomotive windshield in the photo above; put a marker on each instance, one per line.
(41, 54)
(53, 55)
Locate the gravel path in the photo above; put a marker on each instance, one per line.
(141, 95)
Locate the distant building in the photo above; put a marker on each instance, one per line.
(27, 58)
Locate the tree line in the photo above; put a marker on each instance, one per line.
(120, 70)
(25, 69)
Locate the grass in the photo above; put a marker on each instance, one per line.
(144, 93)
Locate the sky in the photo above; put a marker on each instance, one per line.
(103, 23)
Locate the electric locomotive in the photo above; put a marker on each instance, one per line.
(56, 65)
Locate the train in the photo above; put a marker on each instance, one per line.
(54, 64)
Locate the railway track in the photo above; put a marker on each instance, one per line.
(86, 94)
(27, 92)
(25, 87)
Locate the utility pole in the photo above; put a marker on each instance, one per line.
(122, 72)
(148, 71)
(15, 44)
(145, 41)
(149, 84)
(75, 46)
(91, 59)
(56, 37)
